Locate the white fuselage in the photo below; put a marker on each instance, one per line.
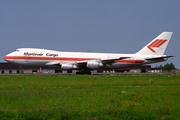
(40, 57)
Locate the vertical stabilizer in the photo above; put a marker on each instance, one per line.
(157, 46)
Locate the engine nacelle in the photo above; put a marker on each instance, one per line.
(94, 64)
(68, 67)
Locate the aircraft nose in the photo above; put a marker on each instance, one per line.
(9, 57)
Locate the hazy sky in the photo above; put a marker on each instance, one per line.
(110, 26)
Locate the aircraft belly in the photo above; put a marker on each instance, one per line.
(120, 65)
(30, 62)
(39, 62)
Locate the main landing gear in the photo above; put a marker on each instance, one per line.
(84, 72)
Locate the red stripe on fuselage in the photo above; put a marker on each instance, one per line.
(130, 61)
(47, 58)
(65, 59)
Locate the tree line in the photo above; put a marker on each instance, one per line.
(167, 67)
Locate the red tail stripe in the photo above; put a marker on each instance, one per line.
(161, 43)
(158, 41)
(151, 49)
(152, 44)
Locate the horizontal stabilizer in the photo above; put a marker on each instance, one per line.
(156, 58)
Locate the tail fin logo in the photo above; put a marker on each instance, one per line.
(156, 44)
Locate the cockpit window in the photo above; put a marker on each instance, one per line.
(17, 50)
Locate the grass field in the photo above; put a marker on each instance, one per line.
(102, 97)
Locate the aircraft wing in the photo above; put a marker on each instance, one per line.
(112, 60)
(103, 61)
(53, 63)
(83, 64)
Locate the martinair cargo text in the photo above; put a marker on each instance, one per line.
(84, 62)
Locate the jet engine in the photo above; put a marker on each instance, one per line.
(94, 64)
(68, 67)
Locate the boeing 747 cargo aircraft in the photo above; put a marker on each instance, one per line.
(84, 62)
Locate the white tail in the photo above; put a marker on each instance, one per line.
(157, 46)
